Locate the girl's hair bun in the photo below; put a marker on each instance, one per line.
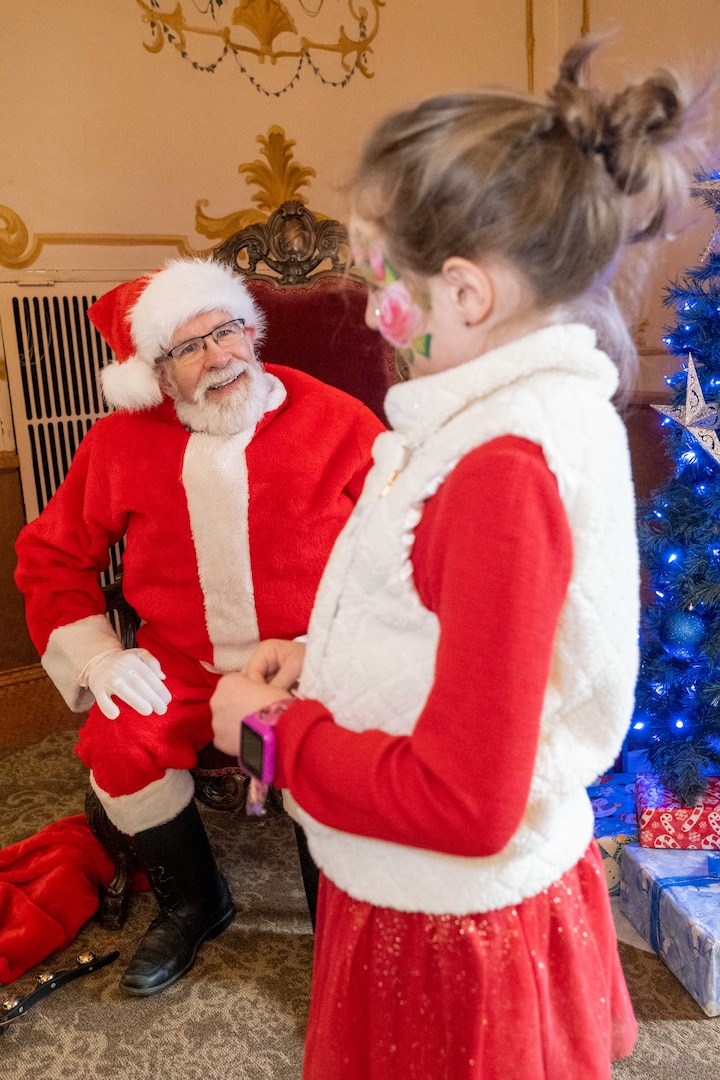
(624, 130)
(639, 119)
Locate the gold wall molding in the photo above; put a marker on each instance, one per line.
(530, 43)
(530, 36)
(251, 32)
(585, 25)
(277, 179)
(17, 252)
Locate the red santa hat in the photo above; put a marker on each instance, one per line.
(138, 320)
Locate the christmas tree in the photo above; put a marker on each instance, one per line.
(677, 714)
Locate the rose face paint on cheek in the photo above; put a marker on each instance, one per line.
(400, 313)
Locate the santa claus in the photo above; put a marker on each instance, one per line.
(229, 481)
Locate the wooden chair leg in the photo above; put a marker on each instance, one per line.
(310, 872)
(114, 898)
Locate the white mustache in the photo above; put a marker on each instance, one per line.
(219, 378)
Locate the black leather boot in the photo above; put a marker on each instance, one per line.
(194, 899)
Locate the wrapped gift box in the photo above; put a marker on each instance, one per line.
(672, 898)
(613, 803)
(665, 823)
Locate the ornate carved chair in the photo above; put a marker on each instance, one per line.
(299, 269)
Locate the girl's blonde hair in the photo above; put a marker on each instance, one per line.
(556, 185)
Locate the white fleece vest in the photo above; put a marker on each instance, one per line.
(372, 644)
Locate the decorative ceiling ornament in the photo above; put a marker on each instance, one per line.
(255, 31)
(697, 417)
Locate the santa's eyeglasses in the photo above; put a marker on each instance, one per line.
(227, 335)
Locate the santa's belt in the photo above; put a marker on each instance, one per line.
(14, 1008)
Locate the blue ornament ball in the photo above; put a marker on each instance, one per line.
(682, 633)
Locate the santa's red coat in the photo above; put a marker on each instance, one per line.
(294, 484)
(226, 540)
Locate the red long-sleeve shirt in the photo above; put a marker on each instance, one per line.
(492, 558)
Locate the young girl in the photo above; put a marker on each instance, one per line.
(472, 654)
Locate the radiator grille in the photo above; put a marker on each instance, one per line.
(59, 356)
(54, 356)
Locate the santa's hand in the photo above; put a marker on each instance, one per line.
(132, 675)
(277, 662)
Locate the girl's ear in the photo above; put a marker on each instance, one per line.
(472, 289)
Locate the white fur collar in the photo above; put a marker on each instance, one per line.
(420, 406)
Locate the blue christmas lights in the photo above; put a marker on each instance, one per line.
(676, 722)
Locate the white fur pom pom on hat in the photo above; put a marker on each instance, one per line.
(138, 320)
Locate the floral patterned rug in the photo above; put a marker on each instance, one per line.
(242, 1010)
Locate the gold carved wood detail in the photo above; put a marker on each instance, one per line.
(278, 179)
(293, 245)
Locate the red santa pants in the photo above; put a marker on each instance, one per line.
(128, 754)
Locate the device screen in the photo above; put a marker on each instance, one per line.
(251, 751)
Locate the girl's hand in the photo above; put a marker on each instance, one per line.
(276, 662)
(237, 696)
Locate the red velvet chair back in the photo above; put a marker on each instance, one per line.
(320, 328)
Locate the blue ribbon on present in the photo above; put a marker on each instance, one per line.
(659, 886)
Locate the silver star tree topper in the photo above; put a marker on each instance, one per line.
(696, 416)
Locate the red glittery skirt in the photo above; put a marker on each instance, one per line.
(530, 992)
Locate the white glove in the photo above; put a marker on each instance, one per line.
(132, 675)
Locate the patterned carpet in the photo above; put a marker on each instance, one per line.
(676, 1041)
(242, 1012)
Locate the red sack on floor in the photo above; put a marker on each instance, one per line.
(48, 889)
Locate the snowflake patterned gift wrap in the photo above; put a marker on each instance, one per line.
(613, 802)
(666, 823)
(672, 898)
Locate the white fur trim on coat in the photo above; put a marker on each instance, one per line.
(70, 649)
(215, 478)
(553, 388)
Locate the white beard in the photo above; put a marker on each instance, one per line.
(232, 413)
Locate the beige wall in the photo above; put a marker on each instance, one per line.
(101, 135)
